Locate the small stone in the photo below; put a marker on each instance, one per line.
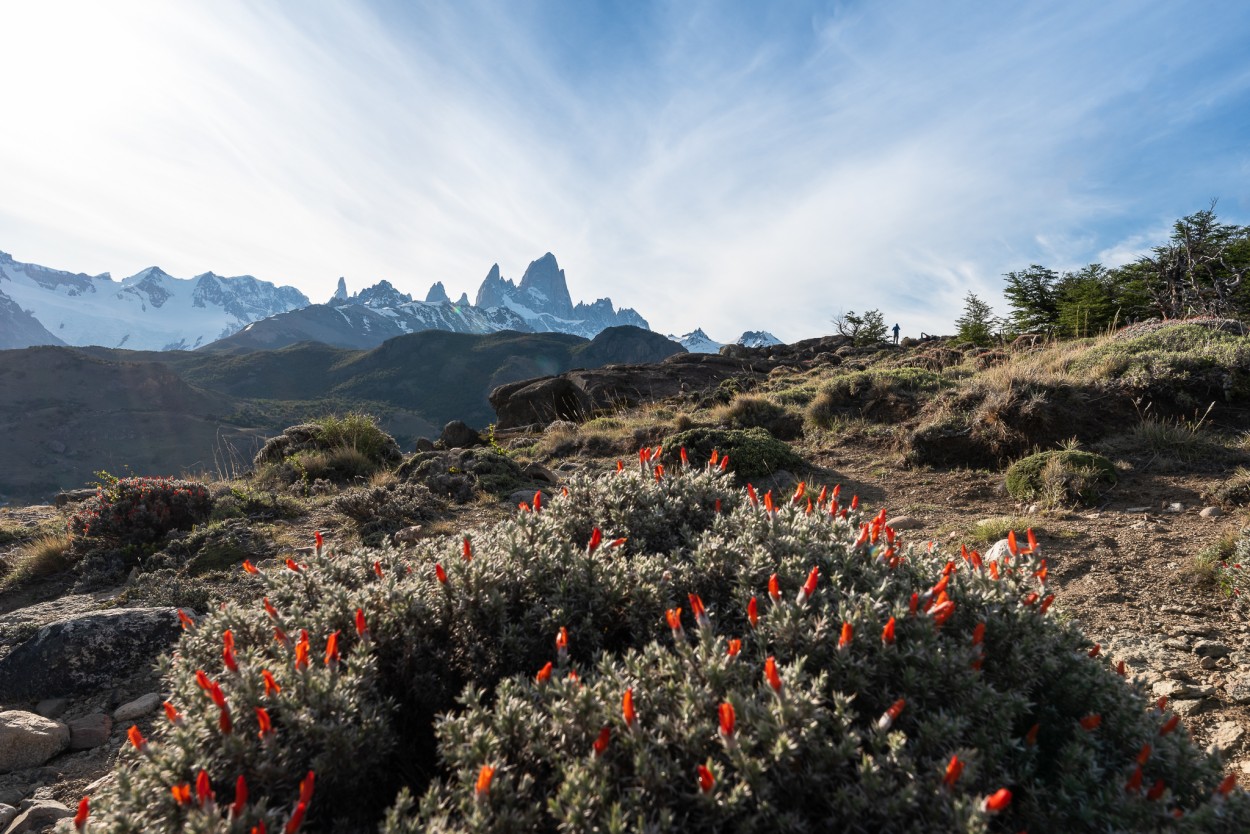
(40, 815)
(1239, 690)
(556, 426)
(525, 496)
(906, 522)
(1211, 512)
(7, 814)
(1211, 648)
(1226, 736)
(1181, 691)
(1137, 510)
(1175, 507)
(1208, 663)
(29, 740)
(538, 472)
(408, 535)
(52, 707)
(89, 731)
(139, 707)
(1188, 708)
(998, 550)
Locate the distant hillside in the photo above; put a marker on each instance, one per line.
(68, 412)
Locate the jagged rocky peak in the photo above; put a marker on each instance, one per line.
(696, 341)
(495, 289)
(340, 293)
(463, 301)
(544, 280)
(381, 294)
(437, 293)
(758, 338)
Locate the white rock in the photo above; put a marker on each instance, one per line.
(39, 815)
(1239, 690)
(905, 522)
(139, 707)
(1226, 736)
(1211, 512)
(29, 740)
(7, 814)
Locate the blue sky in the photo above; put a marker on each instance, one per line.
(726, 165)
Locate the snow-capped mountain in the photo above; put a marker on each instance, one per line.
(540, 303)
(696, 341)
(150, 310)
(758, 338)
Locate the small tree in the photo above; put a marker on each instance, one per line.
(868, 329)
(978, 324)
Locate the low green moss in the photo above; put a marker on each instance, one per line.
(753, 453)
(1060, 476)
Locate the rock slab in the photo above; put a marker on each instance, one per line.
(38, 816)
(29, 740)
(139, 707)
(89, 731)
(84, 654)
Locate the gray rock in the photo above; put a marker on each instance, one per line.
(560, 426)
(538, 472)
(526, 496)
(457, 435)
(12, 796)
(905, 522)
(87, 653)
(29, 740)
(1211, 512)
(72, 496)
(998, 550)
(1226, 736)
(1208, 663)
(1211, 648)
(52, 707)
(39, 815)
(424, 444)
(7, 814)
(139, 707)
(1182, 691)
(1239, 689)
(89, 731)
(408, 535)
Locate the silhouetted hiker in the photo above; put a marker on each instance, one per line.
(896, 333)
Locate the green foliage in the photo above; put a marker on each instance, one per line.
(441, 682)
(753, 453)
(978, 323)
(332, 448)
(458, 474)
(864, 330)
(748, 411)
(140, 510)
(43, 556)
(1061, 476)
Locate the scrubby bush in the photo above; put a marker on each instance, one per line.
(907, 688)
(381, 510)
(885, 395)
(140, 511)
(749, 412)
(459, 474)
(1061, 476)
(754, 452)
(1233, 490)
(334, 448)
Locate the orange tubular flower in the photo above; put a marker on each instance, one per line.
(562, 642)
(248, 567)
(182, 793)
(240, 797)
(185, 620)
(1047, 601)
(942, 612)
(1030, 738)
(844, 641)
(1226, 787)
(596, 538)
(655, 454)
(685, 459)
(914, 603)
(799, 492)
(306, 788)
(727, 720)
(202, 681)
(301, 650)
(84, 810)
(768, 502)
(809, 587)
(227, 659)
(753, 612)
(171, 712)
(706, 779)
(620, 466)
(713, 459)
(1011, 542)
(978, 634)
(887, 719)
(362, 628)
(854, 502)
(734, 647)
(627, 709)
(659, 472)
(538, 501)
(203, 789)
(377, 569)
(296, 820)
(755, 501)
(544, 674)
(319, 540)
(269, 609)
(953, 770)
(136, 738)
(724, 463)
(771, 675)
(699, 612)
(1091, 722)
(601, 743)
(1094, 651)
(1143, 755)
(332, 649)
(615, 543)
(994, 570)
(440, 574)
(774, 588)
(264, 722)
(1156, 790)
(271, 685)
(1133, 785)
(887, 633)
(291, 563)
(1120, 669)
(466, 549)
(997, 801)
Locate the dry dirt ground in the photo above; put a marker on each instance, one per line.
(1124, 570)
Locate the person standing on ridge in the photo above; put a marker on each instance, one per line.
(896, 333)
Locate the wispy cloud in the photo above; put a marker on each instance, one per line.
(748, 167)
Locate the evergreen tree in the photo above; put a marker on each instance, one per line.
(978, 324)
(1032, 297)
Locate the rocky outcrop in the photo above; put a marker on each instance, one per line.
(581, 394)
(82, 654)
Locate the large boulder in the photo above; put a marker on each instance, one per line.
(83, 654)
(458, 435)
(580, 394)
(29, 740)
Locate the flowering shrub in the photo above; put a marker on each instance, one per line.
(659, 649)
(141, 510)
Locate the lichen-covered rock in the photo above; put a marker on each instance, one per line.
(459, 473)
(85, 653)
(29, 740)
